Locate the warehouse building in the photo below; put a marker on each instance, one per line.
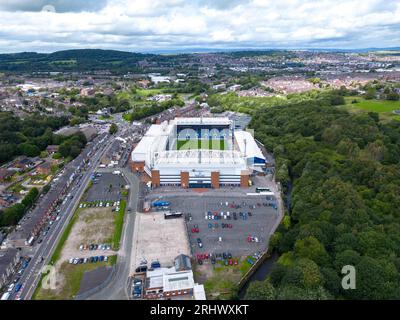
(197, 153)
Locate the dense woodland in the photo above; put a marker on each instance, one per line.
(31, 135)
(340, 173)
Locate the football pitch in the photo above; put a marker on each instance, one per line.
(214, 144)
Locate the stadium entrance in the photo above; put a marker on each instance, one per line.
(200, 185)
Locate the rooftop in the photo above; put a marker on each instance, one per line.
(247, 145)
(6, 258)
(199, 157)
(169, 279)
(202, 120)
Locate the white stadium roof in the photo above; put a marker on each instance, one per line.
(199, 157)
(205, 121)
(247, 145)
(154, 140)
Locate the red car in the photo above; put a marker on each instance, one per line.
(195, 229)
(230, 262)
(249, 238)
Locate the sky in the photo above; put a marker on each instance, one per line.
(163, 25)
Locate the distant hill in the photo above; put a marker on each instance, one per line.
(82, 60)
(71, 60)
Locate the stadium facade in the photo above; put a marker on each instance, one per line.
(197, 153)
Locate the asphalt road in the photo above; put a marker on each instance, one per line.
(32, 273)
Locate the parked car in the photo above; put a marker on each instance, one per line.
(11, 287)
(18, 287)
(141, 269)
(199, 243)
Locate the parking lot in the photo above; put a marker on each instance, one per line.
(254, 217)
(105, 187)
(158, 239)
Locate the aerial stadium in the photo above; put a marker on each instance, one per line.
(197, 153)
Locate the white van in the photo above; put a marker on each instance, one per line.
(5, 296)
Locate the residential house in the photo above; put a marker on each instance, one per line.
(143, 83)
(24, 163)
(235, 87)
(221, 86)
(9, 259)
(5, 174)
(44, 168)
(51, 149)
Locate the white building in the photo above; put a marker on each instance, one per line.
(176, 281)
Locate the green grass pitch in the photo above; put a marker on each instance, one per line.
(214, 144)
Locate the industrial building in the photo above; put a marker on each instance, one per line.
(197, 153)
(173, 282)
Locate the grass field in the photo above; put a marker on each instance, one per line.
(72, 276)
(383, 107)
(90, 220)
(214, 144)
(374, 105)
(220, 281)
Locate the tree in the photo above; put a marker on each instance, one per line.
(394, 96)
(113, 129)
(374, 280)
(295, 293)
(370, 94)
(29, 150)
(311, 248)
(30, 198)
(260, 290)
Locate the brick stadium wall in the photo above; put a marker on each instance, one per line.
(155, 178)
(185, 179)
(215, 179)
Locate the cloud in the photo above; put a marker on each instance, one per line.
(138, 25)
(58, 5)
